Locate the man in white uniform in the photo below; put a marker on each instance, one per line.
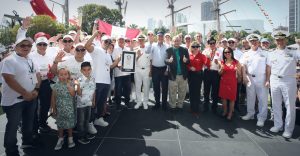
(254, 77)
(281, 69)
(141, 76)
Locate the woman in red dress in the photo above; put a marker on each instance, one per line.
(230, 71)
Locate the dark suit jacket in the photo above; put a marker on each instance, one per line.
(172, 67)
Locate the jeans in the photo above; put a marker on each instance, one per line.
(23, 110)
(101, 97)
(122, 87)
(83, 118)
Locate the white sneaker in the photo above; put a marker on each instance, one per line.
(260, 123)
(137, 106)
(91, 128)
(150, 104)
(248, 117)
(59, 144)
(275, 129)
(101, 122)
(287, 134)
(71, 144)
(145, 105)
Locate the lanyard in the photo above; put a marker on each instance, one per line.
(31, 68)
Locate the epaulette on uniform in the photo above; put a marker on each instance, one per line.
(292, 48)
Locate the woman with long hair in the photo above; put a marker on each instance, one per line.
(230, 71)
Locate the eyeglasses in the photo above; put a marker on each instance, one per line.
(107, 41)
(231, 42)
(25, 45)
(127, 41)
(212, 43)
(195, 46)
(42, 44)
(67, 41)
(150, 34)
(80, 50)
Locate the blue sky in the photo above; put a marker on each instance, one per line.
(138, 11)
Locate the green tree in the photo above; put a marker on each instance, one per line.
(133, 26)
(162, 29)
(91, 12)
(45, 24)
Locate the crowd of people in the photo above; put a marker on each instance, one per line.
(74, 80)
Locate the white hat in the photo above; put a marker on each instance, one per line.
(121, 37)
(105, 37)
(68, 36)
(253, 37)
(79, 44)
(167, 34)
(231, 39)
(19, 40)
(72, 32)
(224, 39)
(280, 34)
(41, 40)
(187, 36)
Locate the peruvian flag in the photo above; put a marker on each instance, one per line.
(40, 8)
(115, 31)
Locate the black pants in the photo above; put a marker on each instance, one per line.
(211, 88)
(45, 101)
(237, 99)
(195, 81)
(122, 87)
(160, 83)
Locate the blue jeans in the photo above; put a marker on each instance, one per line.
(101, 97)
(83, 118)
(23, 110)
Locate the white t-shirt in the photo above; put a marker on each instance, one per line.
(72, 65)
(101, 65)
(116, 53)
(208, 53)
(24, 71)
(43, 62)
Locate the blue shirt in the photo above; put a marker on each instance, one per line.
(158, 54)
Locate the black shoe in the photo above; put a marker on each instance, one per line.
(164, 108)
(83, 140)
(90, 136)
(28, 145)
(156, 107)
(45, 128)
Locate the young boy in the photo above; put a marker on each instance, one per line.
(85, 101)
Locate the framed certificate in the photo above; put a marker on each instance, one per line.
(128, 61)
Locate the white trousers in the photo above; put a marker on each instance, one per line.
(284, 90)
(256, 87)
(141, 77)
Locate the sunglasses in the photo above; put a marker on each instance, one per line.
(80, 50)
(231, 42)
(25, 45)
(107, 41)
(195, 46)
(212, 43)
(127, 41)
(227, 52)
(67, 41)
(150, 34)
(42, 44)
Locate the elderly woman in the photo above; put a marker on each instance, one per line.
(195, 76)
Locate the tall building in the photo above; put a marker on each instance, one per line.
(151, 24)
(294, 15)
(180, 18)
(207, 11)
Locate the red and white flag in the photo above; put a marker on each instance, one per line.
(40, 8)
(115, 31)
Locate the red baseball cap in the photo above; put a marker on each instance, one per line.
(41, 34)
